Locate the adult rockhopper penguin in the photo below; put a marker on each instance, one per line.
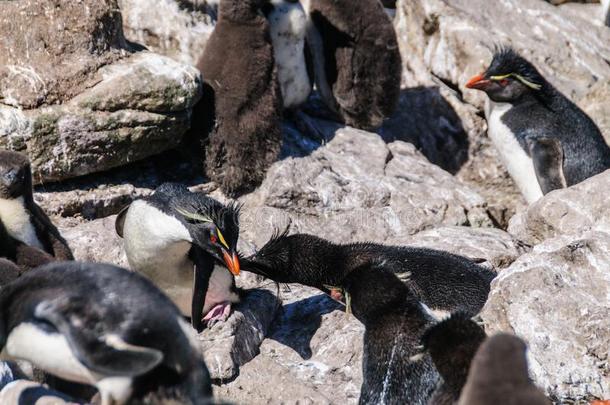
(242, 99)
(394, 321)
(25, 223)
(107, 327)
(182, 241)
(452, 344)
(442, 281)
(545, 141)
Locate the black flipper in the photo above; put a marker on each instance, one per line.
(204, 265)
(547, 156)
(120, 221)
(106, 354)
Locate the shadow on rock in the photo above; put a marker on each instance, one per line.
(299, 321)
(425, 119)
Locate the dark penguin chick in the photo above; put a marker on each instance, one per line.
(499, 375)
(288, 28)
(356, 59)
(442, 281)
(452, 343)
(394, 321)
(545, 141)
(8, 272)
(182, 241)
(22, 218)
(25, 257)
(241, 86)
(104, 326)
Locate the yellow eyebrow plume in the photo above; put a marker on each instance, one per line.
(193, 215)
(522, 79)
(221, 238)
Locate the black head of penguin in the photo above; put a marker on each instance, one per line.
(509, 77)
(88, 322)
(452, 343)
(16, 178)
(499, 375)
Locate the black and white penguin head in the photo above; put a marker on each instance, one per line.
(213, 226)
(15, 175)
(508, 78)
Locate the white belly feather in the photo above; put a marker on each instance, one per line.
(516, 161)
(288, 26)
(17, 222)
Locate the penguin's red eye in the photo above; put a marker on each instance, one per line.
(504, 82)
(213, 238)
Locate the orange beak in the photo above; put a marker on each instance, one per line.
(232, 262)
(478, 82)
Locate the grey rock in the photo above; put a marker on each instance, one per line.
(178, 29)
(227, 346)
(570, 211)
(357, 188)
(491, 247)
(556, 299)
(76, 99)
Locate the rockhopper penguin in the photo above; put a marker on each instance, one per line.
(24, 221)
(241, 96)
(545, 141)
(181, 241)
(356, 60)
(452, 343)
(498, 375)
(442, 281)
(105, 326)
(394, 321)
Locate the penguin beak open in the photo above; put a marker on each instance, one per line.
(478, 82)
(232, 262)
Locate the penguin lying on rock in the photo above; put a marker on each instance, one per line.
(545, 141)
(394, 321)
(356, 59)
(182, 241)
(105, 326)
(442, 281)
(242, 96)
(22, 219)
(452, 343)
(499, 375)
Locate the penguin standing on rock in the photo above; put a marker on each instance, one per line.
(356, 59)
(24, 221)
(545, 141)
(104, 326)
(498, 375)
(242, 89)
(442, 281)
(452, 343)
(394, 321)
(182, 241)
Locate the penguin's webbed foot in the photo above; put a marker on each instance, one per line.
(220, 313)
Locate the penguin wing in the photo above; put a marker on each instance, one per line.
(103, 353)
(547, 157)
(120, 221)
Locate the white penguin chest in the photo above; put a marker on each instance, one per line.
(18, 223)
(288, 26)
(157, 246)
(519, 165)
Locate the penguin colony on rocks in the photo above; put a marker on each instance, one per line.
(125, 332)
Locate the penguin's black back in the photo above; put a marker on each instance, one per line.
(394, 323)
(439, 279)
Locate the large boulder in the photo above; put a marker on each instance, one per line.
(358, 188)
(445, 42)
(175, 28)
(76, 99)
(556, 296)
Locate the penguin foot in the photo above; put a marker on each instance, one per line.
(220, 313)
